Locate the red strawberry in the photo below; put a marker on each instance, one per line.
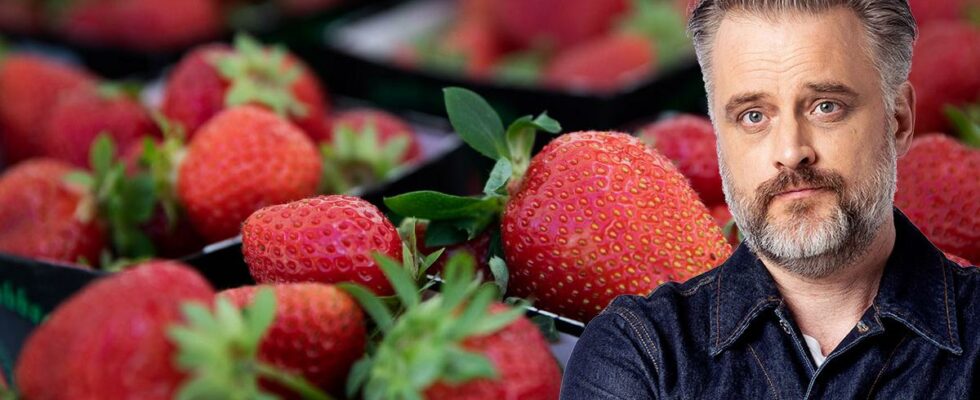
(42, 216)
(944, 72)
(526, 368)
(559, 23)
(600, 214)
(927, 12)
(477, 43)
(146, 25)
(454, 335)
(602, 65)
(29, 87)
(109, 340)
(318, 332)
(478, 248)
(243, 159)
(215, 77)
(83, 113)
(172, 239)
(326, 239)
(689, 141)
(939, 191)
(387, 125)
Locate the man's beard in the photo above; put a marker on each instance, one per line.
(811, 245)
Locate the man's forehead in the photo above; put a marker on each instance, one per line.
(818, 52)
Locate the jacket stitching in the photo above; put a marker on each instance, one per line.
(691, 291)
(949, 327)
(775, 394)
(885, 366)
(646, 341)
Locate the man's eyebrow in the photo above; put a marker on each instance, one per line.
(831, 87)
(740, 99)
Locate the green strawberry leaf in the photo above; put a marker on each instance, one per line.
(476, 122)
(547, 327)
(439, 206)
(371, 304)
(401, 280)
(358, 376)
(966, 122)
(464, 366)
(444, 233)
(101, 154)
(499, 176)
(501, 274)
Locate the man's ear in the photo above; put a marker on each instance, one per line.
(904, 118)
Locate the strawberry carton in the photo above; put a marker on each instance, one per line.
(611, 57)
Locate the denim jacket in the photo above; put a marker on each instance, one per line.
(728, 334)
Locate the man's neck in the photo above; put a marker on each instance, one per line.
(828, 308)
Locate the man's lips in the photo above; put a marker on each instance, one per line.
(799, 192)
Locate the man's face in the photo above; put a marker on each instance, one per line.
(807, 158)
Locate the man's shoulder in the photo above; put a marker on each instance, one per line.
(967, 278)
(672, 304)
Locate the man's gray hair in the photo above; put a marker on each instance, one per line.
(889, 25)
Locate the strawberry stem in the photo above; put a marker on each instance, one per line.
(293, 382)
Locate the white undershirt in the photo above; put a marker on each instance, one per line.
(815, 352)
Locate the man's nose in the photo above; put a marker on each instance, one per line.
(793, 148)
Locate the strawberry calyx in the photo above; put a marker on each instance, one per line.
(124, 202)
(162, 161)
(423, 345)
(358, 157)
(260, 75)
(455, 219)
(966, 121)
(219, 350)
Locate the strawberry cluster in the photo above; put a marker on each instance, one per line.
(595, 46)
(96, 175)
(142, 25)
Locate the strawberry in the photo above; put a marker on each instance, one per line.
(323, 239)
(143, 25)
(946, 210)
(243, 159)
(29, 87)
(387, 125)
(477, 43)
(555, 23)
(82, 114)
(927, 12)
(604, 64)
(215, 77)
(525, 367)
(689, 141)
(600, 214)
(944, 72)
(366, 145)
(43, 216)
(172, 237)
(318, 331)
(592, 216)
(471, 347)
(109, 340)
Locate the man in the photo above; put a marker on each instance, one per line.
(833, 294)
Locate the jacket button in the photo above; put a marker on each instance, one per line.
(862, 327)
(786, 327)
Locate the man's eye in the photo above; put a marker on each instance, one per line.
(827, 107)
(752, 118)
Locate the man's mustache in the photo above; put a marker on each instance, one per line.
(789, 179)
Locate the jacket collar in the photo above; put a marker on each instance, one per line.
(916, 290)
